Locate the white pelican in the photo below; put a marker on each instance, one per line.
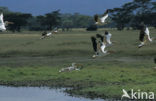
(94, 43)
(148, 34)
(74, 66)
(45, 34)
(99, 47)
(102, 19)
(108, 38)
(144, 34)
(2, 24)
(102, 47)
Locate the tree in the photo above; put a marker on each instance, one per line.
(76, 21)
(133, 13)
(50, 20)
(19, 20)
(4, 10)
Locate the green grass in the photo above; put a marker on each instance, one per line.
(104, 80)
(28, 61)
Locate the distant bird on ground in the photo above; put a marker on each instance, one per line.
(144, 35)
(3, 24)
(74, 66)
(102, 19)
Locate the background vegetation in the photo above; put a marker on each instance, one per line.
(128, 15)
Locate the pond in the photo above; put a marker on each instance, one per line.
(37, 94)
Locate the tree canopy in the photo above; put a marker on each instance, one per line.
(133, 13)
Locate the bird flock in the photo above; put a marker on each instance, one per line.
(105, 40)
(99, 42)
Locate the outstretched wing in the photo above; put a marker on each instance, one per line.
(147, 31)
(100, 36)
(2, 24)
(103, 46)
(96, 18)
(104, 18)
(49, 34)
(94, 43)
(108, 38)
(1, 19)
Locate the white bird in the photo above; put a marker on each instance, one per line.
(102, 19)
(45, 34)
(101, 43)
(108, 38)
(144, 34)
(49, 34)
(141, 44)
(102, 47)
(2, 24)
(70, 68)
(147, 32)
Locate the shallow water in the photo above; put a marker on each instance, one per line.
(37, 94)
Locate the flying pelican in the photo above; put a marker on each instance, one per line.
(98, 46)
(144, 34)
(108, 38)
(2, 24)
(94, 43)
(148, 34)
(102, 19)
(48, 34)
(102, 43)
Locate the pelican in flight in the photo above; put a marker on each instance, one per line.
(102, 19)
(3, 24)
(48, 34)
(102, 43)
(98, 45)
(108, 38)
(144, 35)
(94, 43)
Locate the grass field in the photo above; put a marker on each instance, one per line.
(25, 60)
